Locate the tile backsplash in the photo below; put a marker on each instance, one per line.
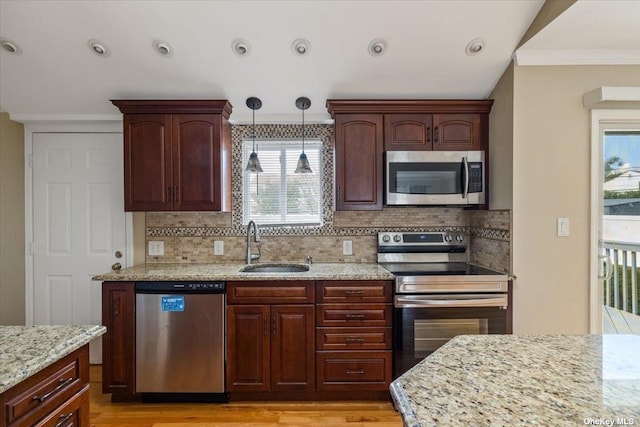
(189, 237)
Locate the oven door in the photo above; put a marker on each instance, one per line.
(423, 323)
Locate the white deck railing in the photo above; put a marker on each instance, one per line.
(621, 288)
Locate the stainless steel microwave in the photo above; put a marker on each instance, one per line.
(435, 178)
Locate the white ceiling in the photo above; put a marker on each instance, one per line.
(57, 76)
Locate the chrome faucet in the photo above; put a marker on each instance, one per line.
(256, 238)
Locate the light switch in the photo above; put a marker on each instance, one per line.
(218, 247)
(156, 248)
(563, 227)
(347, 247)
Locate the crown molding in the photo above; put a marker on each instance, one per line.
(529, 57)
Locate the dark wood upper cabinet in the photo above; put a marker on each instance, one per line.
(358, 161)
(460, 132)
(407, 132)
(177, 155)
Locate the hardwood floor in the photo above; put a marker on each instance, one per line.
(237, 414)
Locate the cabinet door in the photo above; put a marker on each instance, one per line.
(147, 162)
(196, 162)
(292, 348)
(406, 132)
(248, 335)
(118, 357)
(359, 165)
(458, 132)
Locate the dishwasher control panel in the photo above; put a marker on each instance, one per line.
(180, 287)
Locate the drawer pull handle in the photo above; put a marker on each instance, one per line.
(62, 383)
(358, 372)
(355, 316)
(352, 292)
(354, 340)
(64, 418)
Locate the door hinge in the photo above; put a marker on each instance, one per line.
(30, 160)
(30, 248)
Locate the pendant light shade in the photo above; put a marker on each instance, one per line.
(303, 163)
(253, 165)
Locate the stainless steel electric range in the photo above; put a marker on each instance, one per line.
(438, 294)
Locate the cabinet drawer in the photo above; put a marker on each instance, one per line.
(353, 291)
(353, 338)
(75, 412)
(353, 314)
(270, 292)
(38, 395)
(370, 370)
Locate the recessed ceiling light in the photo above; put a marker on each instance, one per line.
(377, 47)
(10, 46)
(475, 46)
(162, 48)
(301, 47)
(99, 48)
(241, 47)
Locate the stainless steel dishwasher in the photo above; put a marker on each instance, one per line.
(180, 341)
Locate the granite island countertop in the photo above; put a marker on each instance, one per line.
(26, 350)
(231, 271)
(511, 380)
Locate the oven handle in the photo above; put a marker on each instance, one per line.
(477, 301)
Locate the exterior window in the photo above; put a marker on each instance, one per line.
(278, 196)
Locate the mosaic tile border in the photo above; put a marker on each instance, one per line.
(486, 233)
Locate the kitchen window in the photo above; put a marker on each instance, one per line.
(278, 196)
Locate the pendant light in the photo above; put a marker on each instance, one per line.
(303, 163)
(254, 164)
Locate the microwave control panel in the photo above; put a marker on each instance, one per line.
(475, 177)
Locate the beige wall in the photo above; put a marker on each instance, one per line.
(12, 304)
(551, 155)
(139, 252)
(501, 143)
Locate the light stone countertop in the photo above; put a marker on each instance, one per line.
(26, 350)
(231, 271)
(512, 380)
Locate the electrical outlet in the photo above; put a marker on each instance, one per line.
(218, 247)
(347, 247)
(156, 248)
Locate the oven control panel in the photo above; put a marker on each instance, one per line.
(431, 238)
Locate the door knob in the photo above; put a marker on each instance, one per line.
(118, 254)
(116, 267)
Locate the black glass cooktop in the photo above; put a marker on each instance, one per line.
(438, 268)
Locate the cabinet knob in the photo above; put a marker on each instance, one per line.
(116, 266)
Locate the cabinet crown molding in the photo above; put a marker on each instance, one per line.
(407, 106)
(174, 106)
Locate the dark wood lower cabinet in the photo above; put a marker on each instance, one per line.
(354, 370)
(270, 348)
(118, 343)
(56, 396)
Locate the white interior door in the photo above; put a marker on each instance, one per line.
(78, 225)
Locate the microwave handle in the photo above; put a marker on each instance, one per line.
(465, 178)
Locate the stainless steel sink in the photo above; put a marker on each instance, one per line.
(275, 268)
